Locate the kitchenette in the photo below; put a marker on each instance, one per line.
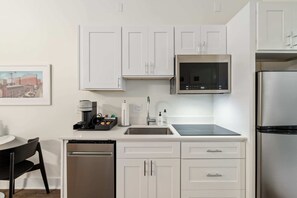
(152, 99)
(169, 161)
(108, 157)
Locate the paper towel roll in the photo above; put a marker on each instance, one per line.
(125, 114)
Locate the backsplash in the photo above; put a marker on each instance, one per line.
(191, 108)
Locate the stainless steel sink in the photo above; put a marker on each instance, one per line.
(148, 131)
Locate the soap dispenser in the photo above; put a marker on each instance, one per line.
(164, 117)
(160, 120)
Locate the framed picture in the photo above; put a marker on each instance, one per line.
(25, 85)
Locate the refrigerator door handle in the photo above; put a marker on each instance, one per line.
(259, 97)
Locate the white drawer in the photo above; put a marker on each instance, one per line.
(213, 150)
(148, 150)
(213, 194)
(217, 174)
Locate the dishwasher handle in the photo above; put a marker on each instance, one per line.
(89, 154)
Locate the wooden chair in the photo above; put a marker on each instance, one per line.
(14, 163)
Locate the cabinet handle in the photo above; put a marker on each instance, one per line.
(151, 168)
(214, 151)
(289, 40)
(214, 175)
(144, 164)
(294, 37)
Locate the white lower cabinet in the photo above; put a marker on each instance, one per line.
(213, 170)
(148, 170)
(164, 180)
(132, 181)
(148, 178)
(180, 169)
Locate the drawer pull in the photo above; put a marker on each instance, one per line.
(151, 168)
(144, 168)
(214, 175)
(214, 151)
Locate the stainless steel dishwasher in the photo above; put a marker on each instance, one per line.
(91, 169)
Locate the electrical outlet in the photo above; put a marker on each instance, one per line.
(137, 108)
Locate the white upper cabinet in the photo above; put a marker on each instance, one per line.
(100, 58)
(187, 40)
(206, 39)
(148, 52)
(276, 27)
(213, 39)
(135, 51)
(161, 51)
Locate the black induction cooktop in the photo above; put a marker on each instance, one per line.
(203, 130)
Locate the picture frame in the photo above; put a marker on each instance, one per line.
(25, 85)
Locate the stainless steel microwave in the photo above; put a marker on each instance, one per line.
(201, 74)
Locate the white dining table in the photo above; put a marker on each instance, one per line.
(17, 141)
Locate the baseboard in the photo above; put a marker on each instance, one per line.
(32, 183)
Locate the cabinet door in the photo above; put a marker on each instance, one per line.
(161, 51)
(187, 40)
(135, 51)
(132, 178)
(274, 21)
(213, 39)
(100, 58)
(164, 178)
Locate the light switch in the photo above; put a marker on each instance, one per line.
(137, 108)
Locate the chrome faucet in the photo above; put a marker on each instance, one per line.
(148, 119)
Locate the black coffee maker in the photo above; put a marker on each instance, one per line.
(88, 111)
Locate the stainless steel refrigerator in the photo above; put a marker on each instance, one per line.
(277, 134)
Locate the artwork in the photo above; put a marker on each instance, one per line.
(25, 85)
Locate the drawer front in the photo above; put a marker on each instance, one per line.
(217, 174)
(213, 194)
(213, 150)
(148, 150)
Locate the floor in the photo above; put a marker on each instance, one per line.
(33, 194)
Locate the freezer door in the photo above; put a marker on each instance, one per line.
(276, 166)
(277, 98)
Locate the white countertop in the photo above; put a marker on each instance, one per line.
(117, 133)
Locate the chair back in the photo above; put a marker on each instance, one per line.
(21, 153)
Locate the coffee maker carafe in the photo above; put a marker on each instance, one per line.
(88, 111)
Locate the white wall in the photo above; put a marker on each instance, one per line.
(236, 111)
(233, 110)
(46, 32)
